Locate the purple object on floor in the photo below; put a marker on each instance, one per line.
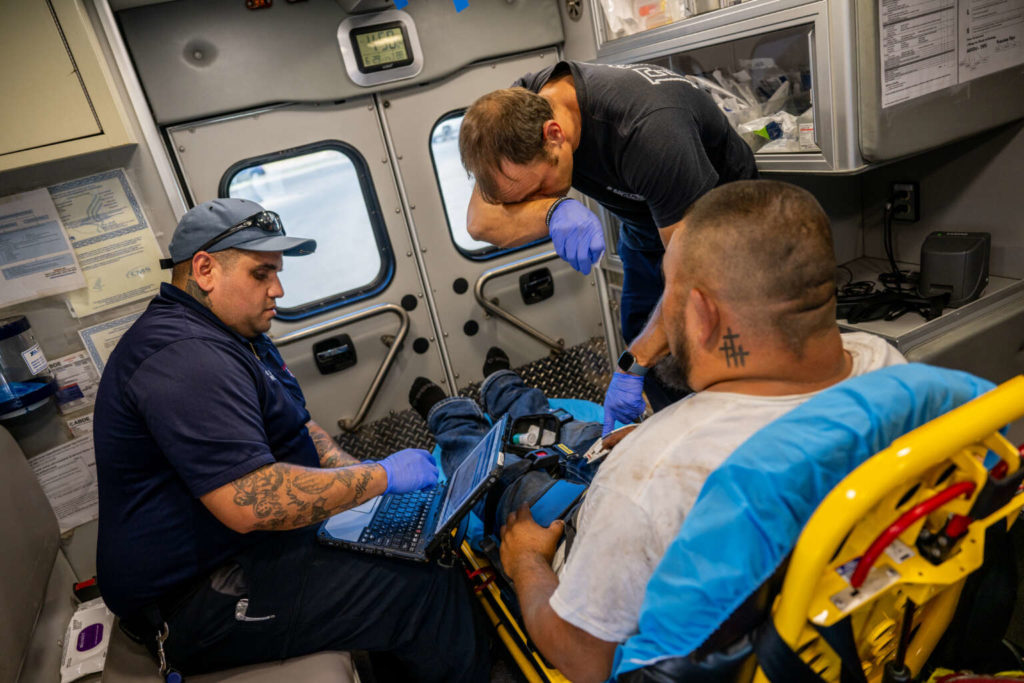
(90, 637)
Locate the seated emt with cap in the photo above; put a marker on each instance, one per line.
(642, 141)
(212, 476)
(749, 313)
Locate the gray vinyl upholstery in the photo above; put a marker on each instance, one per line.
(37, 601)
(30, 566)
(129, 662)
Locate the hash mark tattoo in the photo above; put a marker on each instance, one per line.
(734, 352)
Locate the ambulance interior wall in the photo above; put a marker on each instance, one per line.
(969, 185)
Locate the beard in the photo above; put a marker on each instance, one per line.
(674, 369)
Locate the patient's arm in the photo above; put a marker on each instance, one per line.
(526, 553)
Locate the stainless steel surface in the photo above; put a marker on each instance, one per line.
(348, 424)
(522, 264)
(910, 329)
(832, 60)
(137, 98)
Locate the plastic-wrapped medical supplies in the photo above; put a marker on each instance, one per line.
(768, 107)
(626, 17)
(86, 640)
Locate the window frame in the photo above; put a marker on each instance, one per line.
(485, 253)
(377, 224)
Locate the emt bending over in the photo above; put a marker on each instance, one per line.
(642, 141)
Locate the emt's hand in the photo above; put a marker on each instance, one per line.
(624, 400)
(411, 469)
(577, 235)
(523, 540)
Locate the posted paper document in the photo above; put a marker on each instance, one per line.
(117, 250)
(101, 339)
(36, 258)
(67, 474)
(929, 45)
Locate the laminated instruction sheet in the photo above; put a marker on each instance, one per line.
(112, 239)
(36, 258)
(929, 45)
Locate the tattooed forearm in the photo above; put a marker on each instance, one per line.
(331, 455)
(282, 496)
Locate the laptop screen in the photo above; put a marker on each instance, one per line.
(472, 472)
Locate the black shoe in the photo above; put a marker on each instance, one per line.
(496, 360)
(423, 395)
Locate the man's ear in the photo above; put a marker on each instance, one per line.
(203, 269)
(553, 132)
(706, 317)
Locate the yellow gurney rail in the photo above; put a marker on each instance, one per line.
(929, 479)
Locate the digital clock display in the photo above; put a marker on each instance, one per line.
(382, 46)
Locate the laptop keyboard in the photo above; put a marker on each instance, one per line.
(398, 524)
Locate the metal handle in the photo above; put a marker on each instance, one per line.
(298, 335)
(557, 345)
(813, 65)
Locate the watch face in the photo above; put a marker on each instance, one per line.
(626, 361)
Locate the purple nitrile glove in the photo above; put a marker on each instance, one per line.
(577, 235)
(411, 469)
(623, 401)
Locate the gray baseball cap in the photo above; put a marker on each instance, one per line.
(205, 222)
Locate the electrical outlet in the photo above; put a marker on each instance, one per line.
(905, 202)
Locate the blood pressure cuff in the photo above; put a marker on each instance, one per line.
(761, 497)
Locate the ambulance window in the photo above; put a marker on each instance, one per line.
(322, 191)
(457, 186)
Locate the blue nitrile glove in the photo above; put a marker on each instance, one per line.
(410, 469)
(624, 400)
(577, 234)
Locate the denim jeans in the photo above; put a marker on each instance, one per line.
(459, 424)
(642, 285)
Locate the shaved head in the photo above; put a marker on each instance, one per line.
(765, 248)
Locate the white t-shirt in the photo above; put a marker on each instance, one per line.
(636, 503)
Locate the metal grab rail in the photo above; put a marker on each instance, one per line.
(298, 335)
(557, 345)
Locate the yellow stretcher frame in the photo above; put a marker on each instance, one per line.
(913, 468)
(909, 471)
(511, 633)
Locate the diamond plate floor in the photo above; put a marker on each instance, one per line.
(582, 371)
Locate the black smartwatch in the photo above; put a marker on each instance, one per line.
(627, 363)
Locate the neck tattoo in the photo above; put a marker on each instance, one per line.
(734, 353)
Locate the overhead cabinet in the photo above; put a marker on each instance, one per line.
(58, 95)
(834, 85)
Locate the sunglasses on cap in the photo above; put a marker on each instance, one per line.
(267, 221)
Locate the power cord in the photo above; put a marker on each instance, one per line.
(895, 280)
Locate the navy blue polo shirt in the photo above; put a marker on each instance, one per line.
(184, 407)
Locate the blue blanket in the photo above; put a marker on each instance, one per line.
(765, 492)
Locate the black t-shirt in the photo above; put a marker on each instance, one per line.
(651, 143)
